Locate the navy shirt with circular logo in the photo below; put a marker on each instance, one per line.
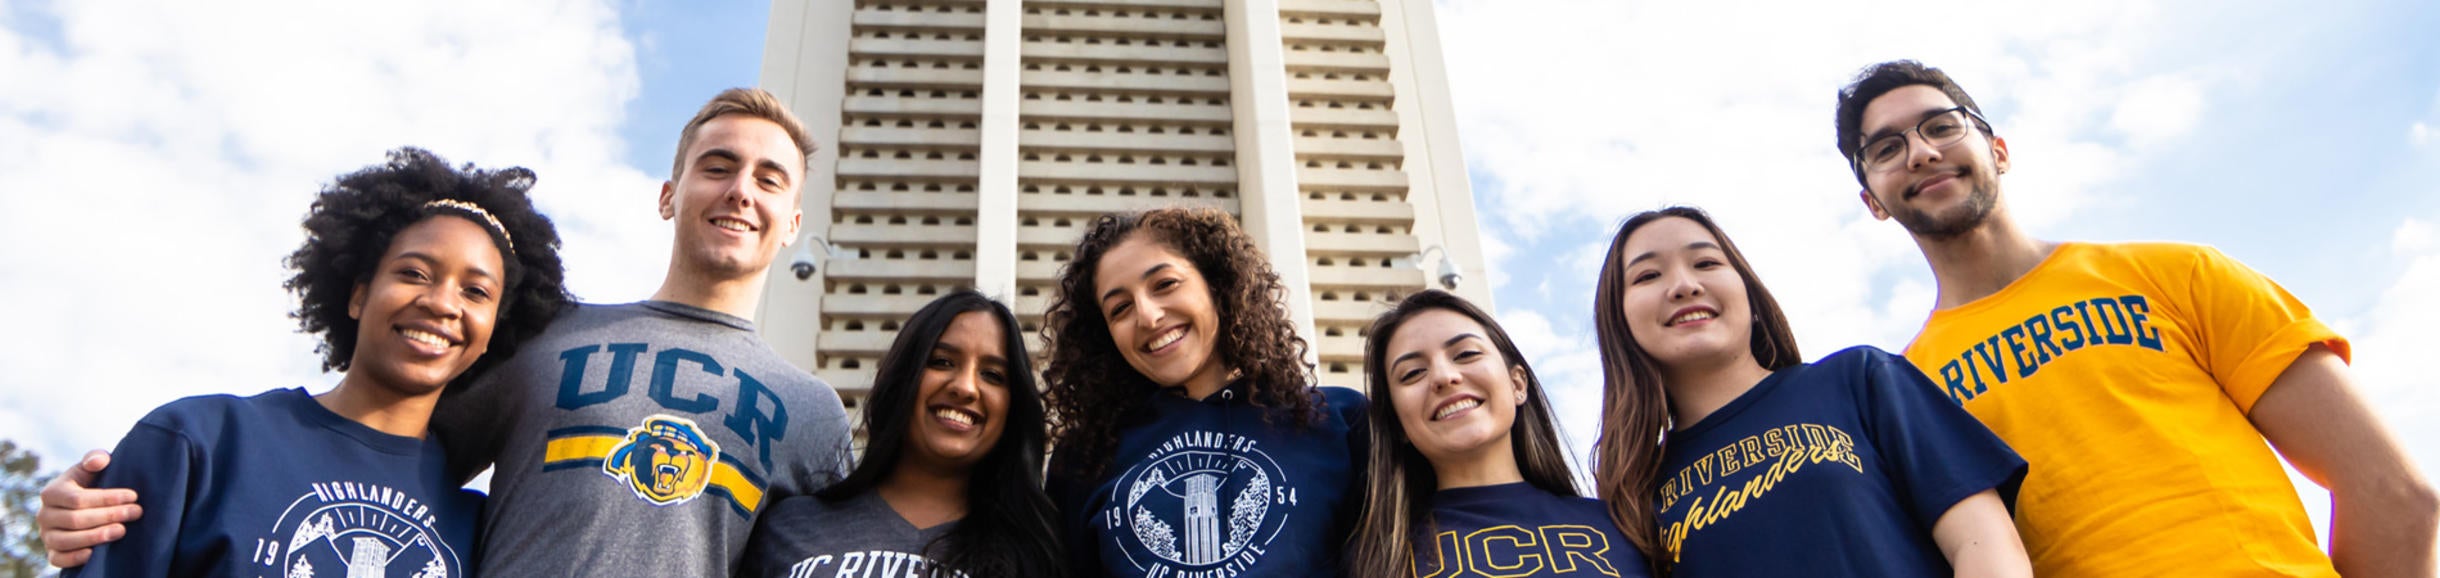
(277, 485)
(1209, 488)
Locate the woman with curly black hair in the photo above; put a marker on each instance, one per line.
(951, 480)
(412, 273)
(1189, 436)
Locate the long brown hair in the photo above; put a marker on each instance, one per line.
(1397, 498)
(1634, 406)
(1088, 385)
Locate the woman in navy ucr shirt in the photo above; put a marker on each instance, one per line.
(1469, 476)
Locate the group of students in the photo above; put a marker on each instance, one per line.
(1191, 441)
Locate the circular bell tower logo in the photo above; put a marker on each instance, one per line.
(1203, 500)
(356, 530)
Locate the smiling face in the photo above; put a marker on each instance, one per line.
(1684, 302)
(1937, 192)
(1160, 314)
(735, 202)
(1455, 394)
(962, 404)
(428, 311)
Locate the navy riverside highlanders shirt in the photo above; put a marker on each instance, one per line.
(1837, 468)
(1209, 489)
(277, 485)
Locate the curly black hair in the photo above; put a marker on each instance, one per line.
(353, 220)
(1088, 384)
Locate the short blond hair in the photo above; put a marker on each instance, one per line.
(754, 102)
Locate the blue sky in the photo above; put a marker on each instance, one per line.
(155, 156)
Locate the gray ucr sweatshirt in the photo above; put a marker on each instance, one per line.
(639, 440)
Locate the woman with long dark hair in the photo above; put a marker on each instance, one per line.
(1189, 435)
(1468, 475)
(1854, 465)
(951, 479)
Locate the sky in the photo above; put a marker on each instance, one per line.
(156, 156)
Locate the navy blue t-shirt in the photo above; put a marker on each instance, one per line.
(1838, 468)
(277, 485)
(1521, 531)
(1209, 488)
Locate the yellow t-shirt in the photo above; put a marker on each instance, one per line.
(2123, 374)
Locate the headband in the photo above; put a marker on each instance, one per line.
(472, 210)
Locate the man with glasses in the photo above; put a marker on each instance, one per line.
(2139, 379)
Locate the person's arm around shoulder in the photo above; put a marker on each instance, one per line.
(2383, 512)
(159, 461)
(1979, 538)
(75, 516)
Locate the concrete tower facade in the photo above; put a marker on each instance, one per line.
(968, 142)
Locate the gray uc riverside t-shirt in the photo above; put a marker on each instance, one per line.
(639, 440)
(859, 537)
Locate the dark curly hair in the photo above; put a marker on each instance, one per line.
(353, 220)
(1089, 386)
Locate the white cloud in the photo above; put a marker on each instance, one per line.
(2419, 133)
(2414, 237)
(155, 162)
(2158, 109)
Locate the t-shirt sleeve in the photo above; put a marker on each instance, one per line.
(833, 442)
(159, 464)
(761, 544)
(466, 421)
(1073, 497)
(1935, 453)
(1359, 447)
(2251, 327)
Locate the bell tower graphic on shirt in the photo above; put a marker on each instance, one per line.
(369, 559)
(1204, 503)
(1202, 519)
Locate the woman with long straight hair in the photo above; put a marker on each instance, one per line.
(951, 479)
(1190, 438)
(1468, 475)
(1724, 454)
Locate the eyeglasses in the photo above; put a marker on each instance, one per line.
(1940, 130)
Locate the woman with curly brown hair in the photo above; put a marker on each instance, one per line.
(1188, 435)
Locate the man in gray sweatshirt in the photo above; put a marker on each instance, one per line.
(638, 439)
